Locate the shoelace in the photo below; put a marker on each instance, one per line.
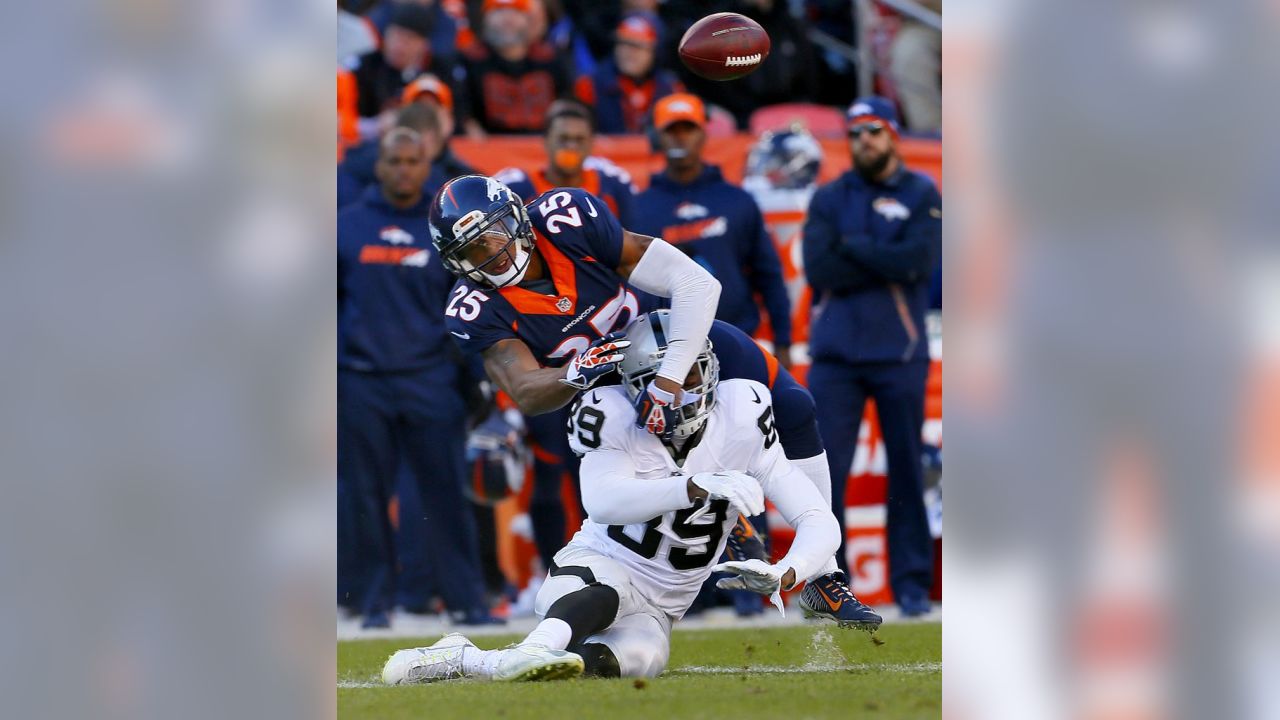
(840, 591)
(439, 668)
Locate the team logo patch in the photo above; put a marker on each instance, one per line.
(395, 236)
(564, 305)
(890, 208)
(690, 211)
(418, 259)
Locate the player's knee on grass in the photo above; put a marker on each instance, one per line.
(797, 421)
(598, 660)
(640, 644)
(642, 660)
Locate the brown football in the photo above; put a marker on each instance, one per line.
(724, 46)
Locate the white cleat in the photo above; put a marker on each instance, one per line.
(440, 661)
(526, 663)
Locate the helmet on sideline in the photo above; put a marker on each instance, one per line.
(639, 366)
(788, 159)
(496, 458)
(481, 230)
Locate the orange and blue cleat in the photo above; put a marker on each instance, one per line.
(829, 597)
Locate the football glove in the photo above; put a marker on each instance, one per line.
(657, 412)
(599, 359)
(757, 576)
(741, 490)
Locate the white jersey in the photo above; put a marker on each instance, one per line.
(627, 472)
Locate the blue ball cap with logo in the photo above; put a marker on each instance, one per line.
(872, 106)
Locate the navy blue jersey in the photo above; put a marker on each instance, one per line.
(391, 287)
(600, 177)
(580, 242)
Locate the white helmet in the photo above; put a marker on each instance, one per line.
(648, 336)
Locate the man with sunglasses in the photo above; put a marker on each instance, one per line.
(871, 242)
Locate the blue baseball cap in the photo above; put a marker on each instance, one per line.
(872, 107)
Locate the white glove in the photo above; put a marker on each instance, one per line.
(744, 494)
(757, 576)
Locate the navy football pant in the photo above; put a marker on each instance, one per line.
(841, 390)
(383, 419)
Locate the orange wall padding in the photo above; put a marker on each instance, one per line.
(633, 154)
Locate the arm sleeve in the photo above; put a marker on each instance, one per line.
(795, 497)
(766, 275)
(612, 495)
(826, 265)
(912, 258)
(665, 271)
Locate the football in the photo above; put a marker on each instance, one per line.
(724, 46)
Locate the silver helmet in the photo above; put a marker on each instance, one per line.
(648, 336)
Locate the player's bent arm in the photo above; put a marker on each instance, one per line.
(652, 265)
(612, 495)
(535, 389)
(817, 532)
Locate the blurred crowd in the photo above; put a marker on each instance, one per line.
(494, 66)
(413, 75)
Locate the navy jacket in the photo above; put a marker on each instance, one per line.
(869, 253)
(611, 95)
(719, 225)
(392, 289)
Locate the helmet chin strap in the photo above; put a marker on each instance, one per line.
(514, 274)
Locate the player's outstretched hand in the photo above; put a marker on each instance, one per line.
(598, 360)
(657, 412)
(743, 492)
(757, 576)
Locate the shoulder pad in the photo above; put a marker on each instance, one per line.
(608, 167)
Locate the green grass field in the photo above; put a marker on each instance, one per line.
(811, 671)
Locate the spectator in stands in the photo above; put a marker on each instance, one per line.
(834, 70)
(691, 206)
(871, 242)
(381, 76)
(444, 28)
(624, 88)
(399, 392)
(509, 80)
(916, 66)
(429, 91)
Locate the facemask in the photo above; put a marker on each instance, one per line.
(514, 274)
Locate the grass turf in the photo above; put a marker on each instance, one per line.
(811, 671)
